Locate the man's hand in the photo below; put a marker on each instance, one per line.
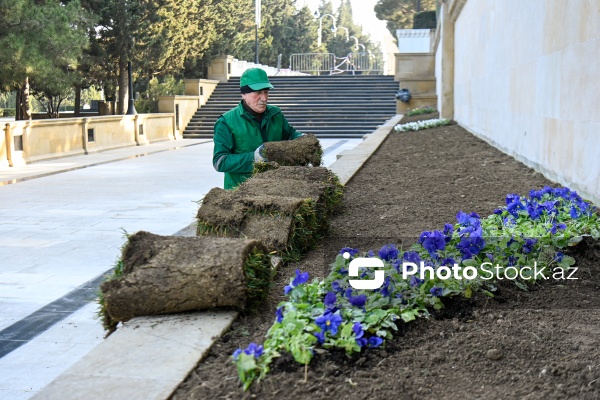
(259, 154)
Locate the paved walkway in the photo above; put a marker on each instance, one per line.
(62, 226)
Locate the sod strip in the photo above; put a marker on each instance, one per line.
(169, 274)
(288, 225)
(305, 150)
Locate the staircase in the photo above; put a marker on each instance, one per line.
(329, 106)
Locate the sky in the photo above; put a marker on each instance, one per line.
(364, 15)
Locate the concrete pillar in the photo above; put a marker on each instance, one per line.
(446, 98)
(220, 68)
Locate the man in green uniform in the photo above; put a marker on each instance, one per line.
(241, 131)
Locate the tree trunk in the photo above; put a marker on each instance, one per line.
(25, 109)
(18, 100)
(76, 111)
(122, 84)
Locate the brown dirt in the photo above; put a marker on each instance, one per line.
(541, 344)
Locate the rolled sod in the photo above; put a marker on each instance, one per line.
(305, 150)
(171, 274)
(319, 179)
(283, 223)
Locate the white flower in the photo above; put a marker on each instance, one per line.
(423, 124)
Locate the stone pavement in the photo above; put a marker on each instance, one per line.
(63, 223)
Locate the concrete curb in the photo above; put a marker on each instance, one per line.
(148, 357)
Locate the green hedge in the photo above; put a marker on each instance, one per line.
(425, 20)
(7, 112)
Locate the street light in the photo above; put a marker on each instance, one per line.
(347, 32)
(356, 44)
(333, 29)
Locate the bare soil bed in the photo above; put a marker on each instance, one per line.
(540, 344)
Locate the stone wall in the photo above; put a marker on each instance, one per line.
(526, 80)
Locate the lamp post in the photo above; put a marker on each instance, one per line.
(257, 20)
(131, 106)
(356, 44)
(347, 32)
(333, 29)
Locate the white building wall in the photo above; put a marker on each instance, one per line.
(527, 79)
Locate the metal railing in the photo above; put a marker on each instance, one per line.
(329, 64)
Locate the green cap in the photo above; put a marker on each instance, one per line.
(256, 79)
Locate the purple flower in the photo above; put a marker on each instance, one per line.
(415, 282)
(348, 293)
(433, 241)
(279, 314)
(335, 285)
(236, 354)
(412, 256)
(375, 341)
(449, 262)
(301, 277)
(388, 252)
(559, 256)
(358, 301)
(320, 337)
(370, 253)
(448, 231)
(436, 291)
(330, 299)
(573, 213)
(528, 246)
(556, 227)
(385, 288)
(329, 322)
(349, 250)
(254, 350)
(358, 331)
(513, 204)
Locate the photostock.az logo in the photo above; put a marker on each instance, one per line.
(365, 262)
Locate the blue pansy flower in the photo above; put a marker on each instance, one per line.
(236, 354)
(335, 285)
(330, 299)
(433, 242)
(559, 256)
(370, 254)
(252, 350)
(573, 212)
(388, 252)
(436, 291)
(359, 333)
(375, 341)
(349, 250)
(358, 301)
(385, 288)
(329, 322)
(412, 256)
(279, 314)
(301, 277)
(320, 337)
(415, 282)
(528, 246)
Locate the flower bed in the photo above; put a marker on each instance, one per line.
(329, 313)
(482, 347)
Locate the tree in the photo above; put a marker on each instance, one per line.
(40, 41)
(399, 13)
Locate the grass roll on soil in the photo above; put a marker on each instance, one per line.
(305, 150)
(283, 223)
(333, 189)
(171, 274)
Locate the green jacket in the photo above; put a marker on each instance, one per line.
(238, 134)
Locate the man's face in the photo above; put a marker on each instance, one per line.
(257, 101)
